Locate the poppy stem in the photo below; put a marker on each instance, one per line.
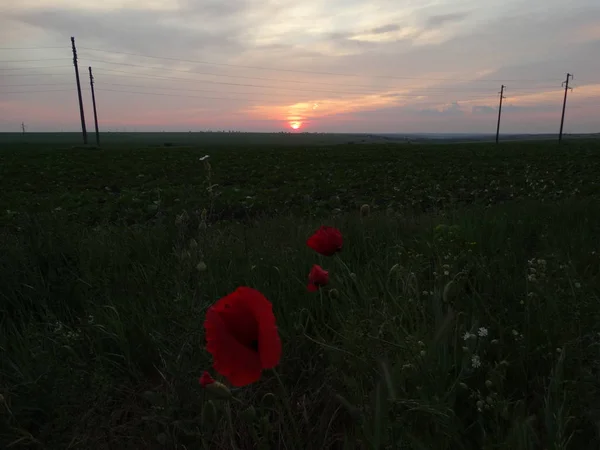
(286, 404)
(342, 263)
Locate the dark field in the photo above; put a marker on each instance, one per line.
(462, 313)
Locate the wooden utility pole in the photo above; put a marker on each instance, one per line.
(562, 119)
(499, 112)
(23, 127)
(94, 103)
(83, 130)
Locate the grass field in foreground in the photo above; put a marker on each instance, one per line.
(466, 315)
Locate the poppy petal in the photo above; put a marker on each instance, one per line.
(238, 363)
(326, 241)
(312, 287)
(269, 343)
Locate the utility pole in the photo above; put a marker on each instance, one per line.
(23, 127)
(94, 103)
(499, 112)
(83, 130)
(562, 119)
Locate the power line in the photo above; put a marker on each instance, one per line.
(302, 71)
(225, 75)
(31, 60)
(225, 83)
(379, 92)
(33, 74)
(32, 48)
(36, 67)
(32, 92)
(256, 93)
(168, 95)
(195, 96)
(246, 77)
(30, 85)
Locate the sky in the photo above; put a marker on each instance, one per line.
(377, 66)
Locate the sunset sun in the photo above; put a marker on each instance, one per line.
(295, 125)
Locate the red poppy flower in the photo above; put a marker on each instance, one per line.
(317, 277)
(242, 336)
(206, 379)
(326, 241)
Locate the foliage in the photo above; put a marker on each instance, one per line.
(462, 312)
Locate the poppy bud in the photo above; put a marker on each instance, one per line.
(317, 277)
(182, 218)
(249, 414)
(206, 379)
(464, 386)
(354, 412)
(488, 384)
(265, 425)
(269, 399)
(365, 210)
(193, 244)
(393, 270)
(219, 390)
(161, 438)
(209, 413)
(334, 294)
(450, 291)
(201, 266)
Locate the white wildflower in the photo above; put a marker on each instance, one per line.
(475, 361)
(468, 336)
(482, 332)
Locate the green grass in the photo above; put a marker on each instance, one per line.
(101, 332)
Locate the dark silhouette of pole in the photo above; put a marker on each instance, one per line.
(94, 104)
(562, 119)
(83, 130)
(23, 127)
(499, 112)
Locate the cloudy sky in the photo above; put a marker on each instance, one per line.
(321, 65)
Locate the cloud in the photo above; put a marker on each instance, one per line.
(483, 109)
(446, 110)
(386, 28)
(443, 19)
(132, 30)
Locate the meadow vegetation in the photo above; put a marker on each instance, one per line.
(463, 311)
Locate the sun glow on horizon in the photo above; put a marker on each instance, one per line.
(295, 125)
